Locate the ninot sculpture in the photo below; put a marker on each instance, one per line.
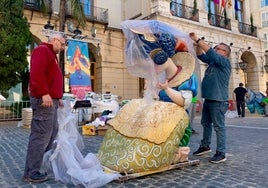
(152, 132)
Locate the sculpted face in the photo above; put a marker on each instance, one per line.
(161, 68)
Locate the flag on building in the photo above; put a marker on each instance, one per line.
(217, 2)
(236, 5)
(223, 3)
(230, 3)
(220, 2)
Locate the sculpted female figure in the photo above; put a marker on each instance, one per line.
(151, 133)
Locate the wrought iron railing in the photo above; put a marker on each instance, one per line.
(32, 4)
(247, 29)
(12, 110)
(183, 11)
(92, 13)
(219, 21)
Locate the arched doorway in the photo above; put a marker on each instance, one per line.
(250, 71)
(95, 60)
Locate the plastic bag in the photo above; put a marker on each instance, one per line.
(66, 160)
(137, 59)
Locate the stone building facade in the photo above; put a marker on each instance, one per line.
(107, 48)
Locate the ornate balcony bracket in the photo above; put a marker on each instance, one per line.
(266, 68)
(84, 38)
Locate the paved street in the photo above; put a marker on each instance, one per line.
(246, 165)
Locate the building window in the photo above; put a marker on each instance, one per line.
(87, 5)
(265, 36)
(264, 17)
(175, 8)
(264, 3)
(212, 6)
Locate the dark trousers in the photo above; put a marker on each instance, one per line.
(240, 106)
(44, 129)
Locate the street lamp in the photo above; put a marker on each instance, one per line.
(266, 68)
(243, 66)
(77, 31)
(49, 26)
(266, 61)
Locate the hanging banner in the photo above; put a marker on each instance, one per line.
(78, 66)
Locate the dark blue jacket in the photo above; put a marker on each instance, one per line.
(216, 79)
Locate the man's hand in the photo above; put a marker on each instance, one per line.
(47, 101)
(61, 103)
(163, 86)
(193, 36)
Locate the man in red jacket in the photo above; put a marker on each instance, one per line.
(45, 88)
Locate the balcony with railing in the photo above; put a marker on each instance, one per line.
(92, 13)
(247, 29)
(32, 4)
(183, 11)
(219, 21)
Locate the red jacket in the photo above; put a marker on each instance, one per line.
(45, 73)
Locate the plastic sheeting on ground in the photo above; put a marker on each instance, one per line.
(67, 162)
(254, 101)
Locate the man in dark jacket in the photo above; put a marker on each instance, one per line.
(239, 96)
(214, 90)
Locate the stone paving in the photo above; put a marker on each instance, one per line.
(246, 165)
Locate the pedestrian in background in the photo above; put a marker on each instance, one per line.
(214, 90)
(46, 91)
(239, 96)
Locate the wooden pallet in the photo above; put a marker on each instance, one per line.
(140, 174)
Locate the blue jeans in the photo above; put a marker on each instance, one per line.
(213, 114)
(44, 129)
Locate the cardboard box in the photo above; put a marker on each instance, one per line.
(88, 130)
(102, 130)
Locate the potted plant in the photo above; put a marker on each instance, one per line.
(226, 21)
(252, 27)
(209, 12)
(194, 8)
(194, 12)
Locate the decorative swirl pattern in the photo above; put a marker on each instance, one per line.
(132, 155)
(153, 122)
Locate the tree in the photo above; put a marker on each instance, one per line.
(15, 36)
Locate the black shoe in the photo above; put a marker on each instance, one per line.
(202, 150)
(37, 177)
(218, 157)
